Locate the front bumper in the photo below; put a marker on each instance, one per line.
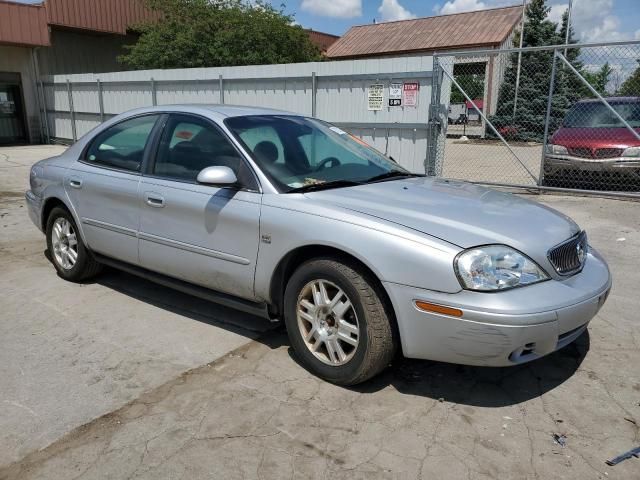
(34, 208)
(502, 328)
(562, 163)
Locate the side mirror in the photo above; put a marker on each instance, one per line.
(219, 176)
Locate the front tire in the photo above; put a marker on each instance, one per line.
(69, 256)
(337, 322)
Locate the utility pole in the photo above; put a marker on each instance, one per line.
(566, 35)
(515, 97)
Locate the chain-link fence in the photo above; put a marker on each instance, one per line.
(551, 117)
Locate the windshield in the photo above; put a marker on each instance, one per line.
(296, 152)
(597, 115)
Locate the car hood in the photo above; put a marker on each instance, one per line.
(619, 137)
(460, 213)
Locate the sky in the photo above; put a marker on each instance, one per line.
(593, 20)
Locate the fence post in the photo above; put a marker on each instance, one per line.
(100, 100)
(314, 90)
(488, 78)
(221, 88)
(154, 98)
(72, 111)
(433, 122)
(47, 133)
(547, 118)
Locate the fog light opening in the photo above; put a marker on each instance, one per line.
(523, 352)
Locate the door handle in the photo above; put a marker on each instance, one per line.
(153, 200)
(75, 182)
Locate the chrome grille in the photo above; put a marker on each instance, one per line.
(569, 256)
(608, 152)
(586, 152)
(582, 152)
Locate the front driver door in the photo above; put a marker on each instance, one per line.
(199, 233)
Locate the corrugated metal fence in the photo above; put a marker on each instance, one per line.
(333, 91)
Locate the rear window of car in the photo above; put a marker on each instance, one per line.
(597, 115)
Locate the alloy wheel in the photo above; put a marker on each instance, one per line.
(64, 243)
(328, 322)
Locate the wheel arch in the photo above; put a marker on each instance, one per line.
(47, 207)
(296, 257)
(54, 201)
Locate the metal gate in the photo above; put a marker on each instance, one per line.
(562, 118)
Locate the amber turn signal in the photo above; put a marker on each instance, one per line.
(432, 307)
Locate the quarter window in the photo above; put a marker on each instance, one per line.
(189, 145)
(122, 145)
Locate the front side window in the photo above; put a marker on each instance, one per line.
(190, 144)
(122, 145)
(296, 152)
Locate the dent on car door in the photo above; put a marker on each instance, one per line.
(199, 233)
(103, 186)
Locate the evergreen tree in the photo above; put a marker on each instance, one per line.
(528, 122)
(575, 88)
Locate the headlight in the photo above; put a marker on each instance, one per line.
(556, 149)
(631, 152)
(496, 267)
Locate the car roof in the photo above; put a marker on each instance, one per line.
(217, 112)
(221, 110)
(612, 100)
(242, 110)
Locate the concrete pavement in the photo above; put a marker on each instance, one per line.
(124, 379)
(70, 353)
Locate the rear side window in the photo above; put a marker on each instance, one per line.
(122, 145)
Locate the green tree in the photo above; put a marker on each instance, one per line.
(599, 79)
(529, 119)
(631, 86)
(212, 33)
(575, 89)
(471, 83)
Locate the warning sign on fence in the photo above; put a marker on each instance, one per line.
(375, 96)
(410, 94)
(395, 95)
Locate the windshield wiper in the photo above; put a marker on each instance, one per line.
(324, 185)
(393, 174)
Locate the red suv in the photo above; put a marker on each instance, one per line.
(593, 149)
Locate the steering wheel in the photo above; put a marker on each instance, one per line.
(329, 160)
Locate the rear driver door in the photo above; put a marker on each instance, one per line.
(103, 187)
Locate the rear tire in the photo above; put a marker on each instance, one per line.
(337, 322)
(69, 255)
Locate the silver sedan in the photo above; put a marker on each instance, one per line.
(292, 218)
